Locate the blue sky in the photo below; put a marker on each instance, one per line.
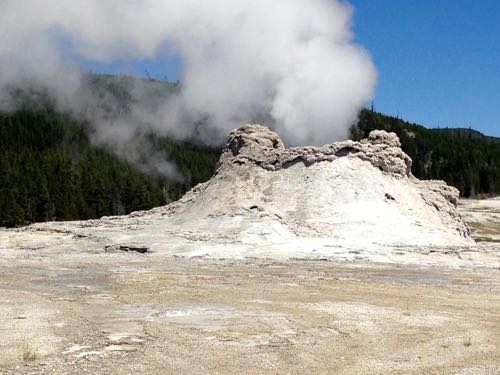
(438, 60)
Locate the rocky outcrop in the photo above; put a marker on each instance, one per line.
(444, 199)
(348, 191)
(258, 145)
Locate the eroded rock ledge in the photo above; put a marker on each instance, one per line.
(258, 145)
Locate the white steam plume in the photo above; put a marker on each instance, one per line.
(292, 62)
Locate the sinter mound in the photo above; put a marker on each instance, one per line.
(346, 201)
(351, 193)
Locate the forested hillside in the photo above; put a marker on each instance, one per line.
(462, 157)
(468, 133)
(50, 171)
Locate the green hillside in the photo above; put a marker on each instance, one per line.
(468, 133)
(50, 171)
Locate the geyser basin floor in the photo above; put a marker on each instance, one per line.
(127, 313)
(78, 310)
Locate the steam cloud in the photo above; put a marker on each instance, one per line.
(291, 63)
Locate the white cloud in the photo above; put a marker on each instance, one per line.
(293, 59)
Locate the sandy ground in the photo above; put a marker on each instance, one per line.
(121, 313)
(483, 217)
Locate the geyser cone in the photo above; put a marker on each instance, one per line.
(356, 194)
(344, 201)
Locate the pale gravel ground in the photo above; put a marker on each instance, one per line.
(128, 314)
(84, 310)
(483, 216)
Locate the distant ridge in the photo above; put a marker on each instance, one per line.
(468, 133)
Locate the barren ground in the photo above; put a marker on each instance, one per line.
(121, 313)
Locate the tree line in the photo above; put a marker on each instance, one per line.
(49, 170)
